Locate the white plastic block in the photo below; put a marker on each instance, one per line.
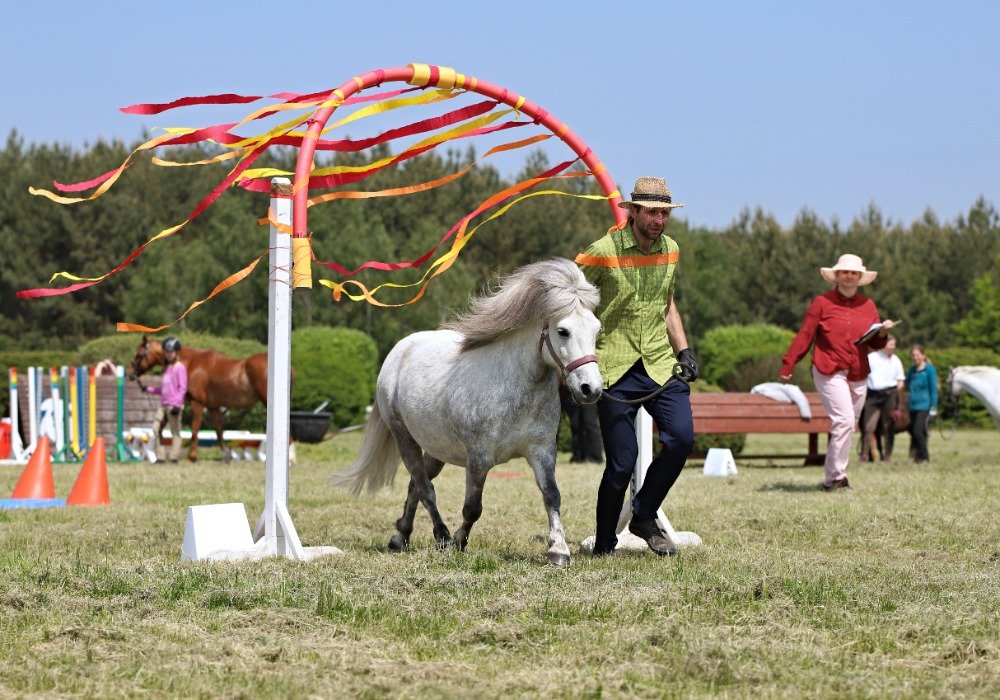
(218, 531)
(719, 462)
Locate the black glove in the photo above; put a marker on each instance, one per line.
(689, 367)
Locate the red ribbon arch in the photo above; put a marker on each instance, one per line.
(420, 74)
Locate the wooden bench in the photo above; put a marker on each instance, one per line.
(732, 412)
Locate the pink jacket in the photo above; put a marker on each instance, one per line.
(175, 384)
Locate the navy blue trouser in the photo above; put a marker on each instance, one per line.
(671, 410)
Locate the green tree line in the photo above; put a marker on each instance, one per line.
(941, 277)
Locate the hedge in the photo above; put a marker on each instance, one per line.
(737, 358)
(338, 365)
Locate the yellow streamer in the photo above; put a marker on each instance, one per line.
(455, 132)
(106, 185)
(208, 161)
(424, 186)
(441, 264)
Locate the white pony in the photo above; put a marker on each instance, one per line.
(482, 391)
(980, 381)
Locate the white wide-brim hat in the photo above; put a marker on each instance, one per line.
(849, 263)
(652, 193)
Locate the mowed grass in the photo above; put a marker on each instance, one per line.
(891, 589)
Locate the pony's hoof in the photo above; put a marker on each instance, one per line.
(558, 559)
(397, 543)
(445, 543)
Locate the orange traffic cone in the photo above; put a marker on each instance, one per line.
(91, 487)
(36, 479)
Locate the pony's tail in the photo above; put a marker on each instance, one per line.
(378, 461)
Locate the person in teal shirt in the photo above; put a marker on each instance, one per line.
(921, 383)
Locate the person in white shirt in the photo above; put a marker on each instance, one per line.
(884, 386)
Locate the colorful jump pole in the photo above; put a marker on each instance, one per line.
(74, 422)
(57, 409)
(92, 406)
(124, 454)
(32, 409)
(65, 454)
(16, 444)
(221, 531)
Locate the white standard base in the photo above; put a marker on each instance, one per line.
(628, 541)
(219, 531)
(719, 462)
(222, 532)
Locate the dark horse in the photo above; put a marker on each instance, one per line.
(215, 381)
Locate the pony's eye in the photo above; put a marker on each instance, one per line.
(563, 332)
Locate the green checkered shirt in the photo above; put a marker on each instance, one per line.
(636, 289)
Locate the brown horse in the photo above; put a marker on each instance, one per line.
(215, 381)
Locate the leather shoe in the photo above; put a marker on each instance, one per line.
(837, 484)
(655, 537)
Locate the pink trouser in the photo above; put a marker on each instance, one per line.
(843, 400)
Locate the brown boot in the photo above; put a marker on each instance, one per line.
(656, 538)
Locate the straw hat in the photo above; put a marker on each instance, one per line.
(651, 192)
(849, 263)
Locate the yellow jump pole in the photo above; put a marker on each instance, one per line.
(92, 414)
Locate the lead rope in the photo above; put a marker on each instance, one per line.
(675, 374)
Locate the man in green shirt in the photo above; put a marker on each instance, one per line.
(633, 267)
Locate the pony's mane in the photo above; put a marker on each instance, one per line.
(536, 291)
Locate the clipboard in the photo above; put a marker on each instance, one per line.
(871, 332)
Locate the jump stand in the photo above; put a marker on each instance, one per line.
(719, 462)
(219, 531)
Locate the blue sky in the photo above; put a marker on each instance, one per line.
(782, 105)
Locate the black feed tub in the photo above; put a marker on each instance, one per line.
(307, 426)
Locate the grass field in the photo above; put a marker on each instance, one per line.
(889, 590)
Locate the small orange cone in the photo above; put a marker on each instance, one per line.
(36, 479)
(91, 487)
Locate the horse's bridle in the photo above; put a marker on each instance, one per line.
(141, 355)
(565, 369)
(134, 366)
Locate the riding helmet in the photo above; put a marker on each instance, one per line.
(171, 344)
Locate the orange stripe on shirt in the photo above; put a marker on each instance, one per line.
(628, 260)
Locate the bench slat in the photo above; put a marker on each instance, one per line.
(751, 412)
(706, 425)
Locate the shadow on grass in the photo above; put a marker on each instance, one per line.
(791, 487)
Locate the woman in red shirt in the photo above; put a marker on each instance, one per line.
(834, 322)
